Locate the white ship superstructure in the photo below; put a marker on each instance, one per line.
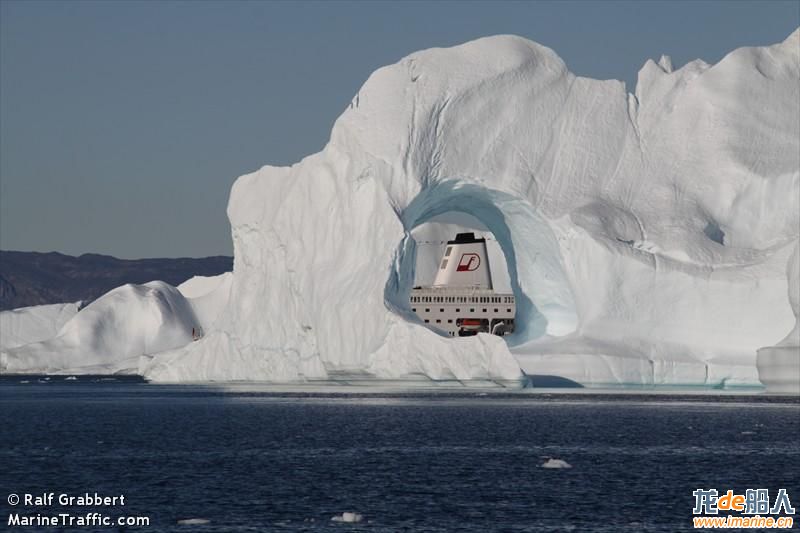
(462, 300)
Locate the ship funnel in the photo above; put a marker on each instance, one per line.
(465, 264)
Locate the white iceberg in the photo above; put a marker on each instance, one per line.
(111, 333)
(645, 235)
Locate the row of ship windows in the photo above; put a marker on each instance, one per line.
(449, 321)
(472, 310)
(464, 299)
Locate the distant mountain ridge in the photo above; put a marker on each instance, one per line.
(35, 278)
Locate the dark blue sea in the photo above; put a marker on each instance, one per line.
(252, 459)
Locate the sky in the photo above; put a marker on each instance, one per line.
(124, 124)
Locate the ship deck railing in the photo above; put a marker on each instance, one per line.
(462, 291)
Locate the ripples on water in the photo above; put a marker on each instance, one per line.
(261, 461)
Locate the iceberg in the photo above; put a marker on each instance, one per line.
(644, 235)
(110, 334)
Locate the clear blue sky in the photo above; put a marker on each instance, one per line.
(124, 124)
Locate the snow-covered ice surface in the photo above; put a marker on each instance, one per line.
(33, 324)
(110, 334)
(207, 295)
(646, 235)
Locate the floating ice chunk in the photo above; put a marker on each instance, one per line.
(193, 522)
(556, 463)
(347, 516)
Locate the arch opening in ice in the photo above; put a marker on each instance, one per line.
(535, 271)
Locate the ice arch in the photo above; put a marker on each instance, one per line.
(545, 305)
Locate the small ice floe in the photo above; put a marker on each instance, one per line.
(748, 433)
(348, 517)
(25, 381)
(71, 378)
(193, 522)
(556, 463)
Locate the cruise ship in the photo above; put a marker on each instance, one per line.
(462, 301)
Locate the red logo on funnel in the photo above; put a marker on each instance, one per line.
(468, 263)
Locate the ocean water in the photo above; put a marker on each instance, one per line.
(252, 459)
